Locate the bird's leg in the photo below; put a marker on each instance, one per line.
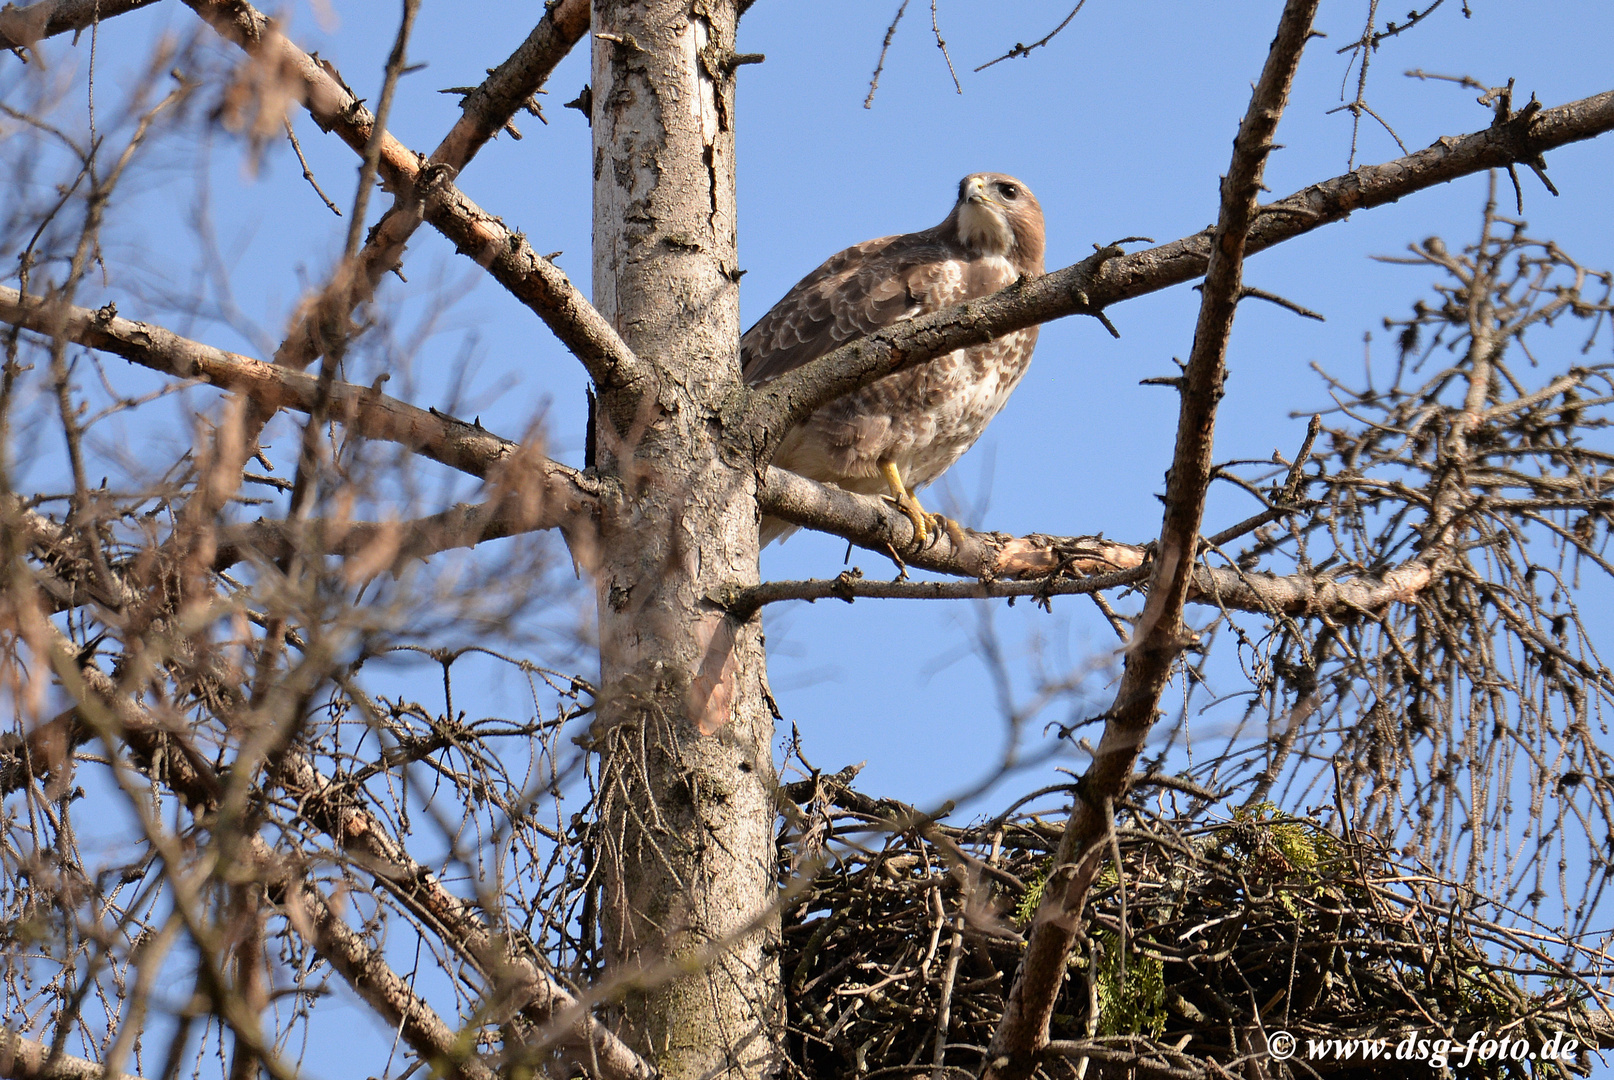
(908, 502)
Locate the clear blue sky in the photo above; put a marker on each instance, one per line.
(1122, 126)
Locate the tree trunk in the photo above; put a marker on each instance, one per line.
(684, 732)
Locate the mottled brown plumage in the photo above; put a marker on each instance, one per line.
(921, 420)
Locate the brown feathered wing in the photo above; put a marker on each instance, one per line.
(855, 292)
(920, 419)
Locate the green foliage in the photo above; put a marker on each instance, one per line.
(1291, 853)
(1027, 906)
(1303, 845)
(1131, 998)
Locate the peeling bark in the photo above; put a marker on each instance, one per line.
(686, 804)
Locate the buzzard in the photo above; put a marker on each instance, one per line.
(903, 431)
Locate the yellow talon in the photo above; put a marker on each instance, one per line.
(908, 502)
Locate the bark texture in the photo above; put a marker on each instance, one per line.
(1160, 635)
(24, 1059)
(684, 735)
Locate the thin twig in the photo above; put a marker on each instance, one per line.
(890, 32)
(308, 174)
(935, 29)
(1025, 50)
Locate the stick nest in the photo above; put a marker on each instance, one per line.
(907, 932)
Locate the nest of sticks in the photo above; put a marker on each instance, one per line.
(906, 933)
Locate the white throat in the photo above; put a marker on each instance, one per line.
(983, 228)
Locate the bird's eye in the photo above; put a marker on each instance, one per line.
(1008, 191)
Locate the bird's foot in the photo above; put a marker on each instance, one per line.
(924, 523)
(927, 526)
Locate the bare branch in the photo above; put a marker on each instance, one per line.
(374, 980)
(1025, 50)
(308, 173)
(365, 970)
(485, 110)
(467, 447)
(535, 281)
(544, 1000)
(1283, 302)
(1159, 636)
(371, 156)
(21, 28)
(24, 1059)
(329, 807)
(885, 46)
(510, 86)
(1338, 598)
(461, 526)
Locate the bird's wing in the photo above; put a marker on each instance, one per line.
(855, 292)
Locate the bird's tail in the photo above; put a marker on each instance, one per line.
(775, 529)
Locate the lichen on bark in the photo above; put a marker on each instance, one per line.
(685, 737)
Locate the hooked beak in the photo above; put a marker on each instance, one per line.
(978, 193)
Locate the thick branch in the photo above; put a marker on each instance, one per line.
(1037, 565)
(363, 968)
(1159, 637)
(21, 28)
(510, 86)
(564, 496)
(1295, 595)
(878, 526)
(535, 281)
(557, 494)
(388, 544)
(544, 1002)
(485, 111)
(1109, 277)
(383, 989)
(24, 1059)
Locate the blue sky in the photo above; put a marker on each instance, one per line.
(1121, 125)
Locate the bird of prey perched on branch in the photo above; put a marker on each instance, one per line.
(904, 430)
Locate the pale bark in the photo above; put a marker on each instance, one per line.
(25, 1059)
(684, 734)
(486, 110)
(531, 492)
(110, 712)
(685, 737)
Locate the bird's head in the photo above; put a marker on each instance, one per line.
(998, 215)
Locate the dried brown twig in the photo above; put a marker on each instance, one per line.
(1160, 636)
(1222, 915)
(300, 818)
